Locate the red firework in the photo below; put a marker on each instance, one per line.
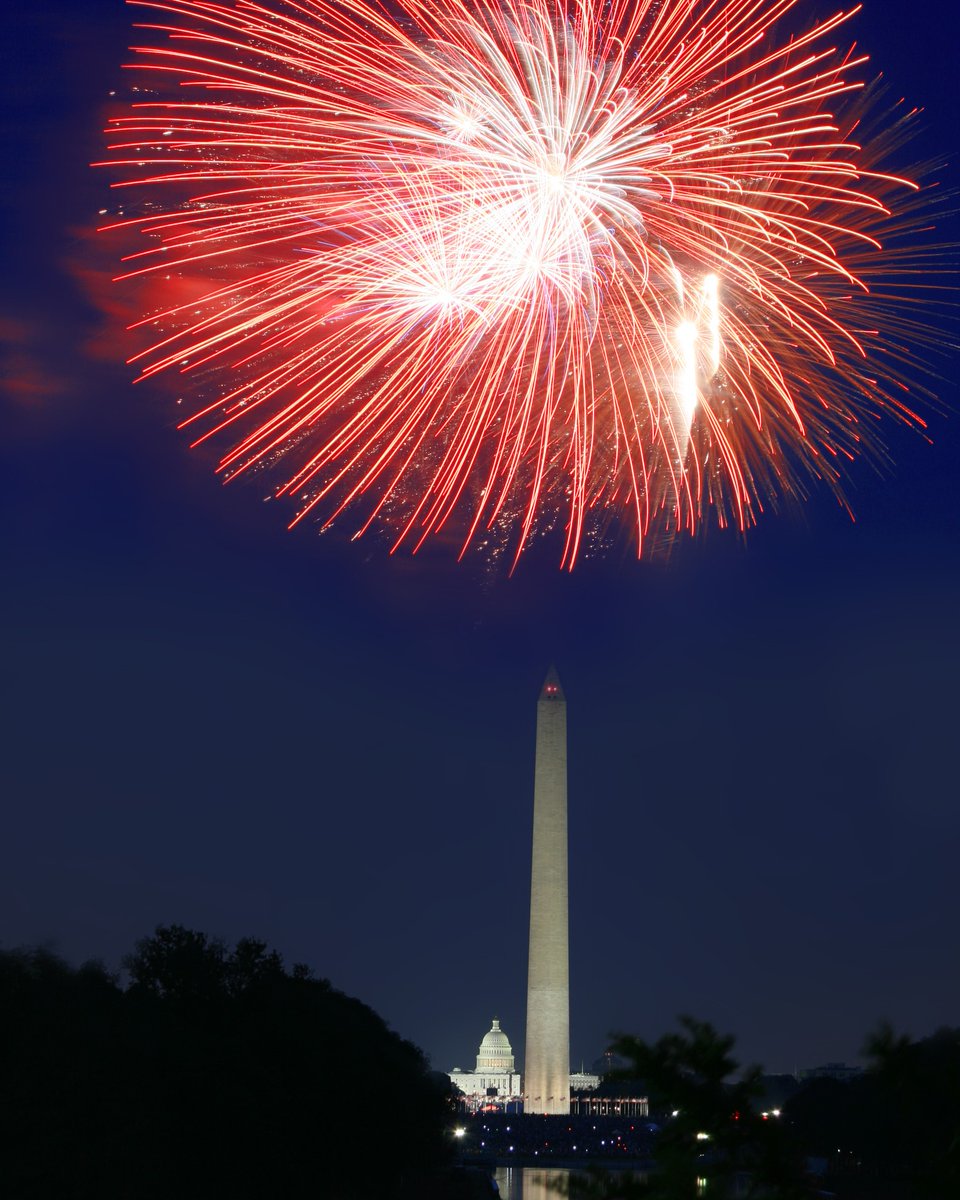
(504, 267)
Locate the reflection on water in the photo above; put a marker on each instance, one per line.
(537, 1183)
(528, 1183)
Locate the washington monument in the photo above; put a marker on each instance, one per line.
(546, 1076)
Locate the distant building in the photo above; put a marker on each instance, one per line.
(495, 1079)
(834, 1070)
(608, 1062)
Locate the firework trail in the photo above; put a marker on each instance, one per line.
(498, 268)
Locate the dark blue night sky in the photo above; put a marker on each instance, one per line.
(212, 721)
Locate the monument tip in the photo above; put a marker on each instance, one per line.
(551, 689)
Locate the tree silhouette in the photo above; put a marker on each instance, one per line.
(214, 1073)
(711, 1130)
(897, 1124)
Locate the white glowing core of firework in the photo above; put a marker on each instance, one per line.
(688, 392)
(699, 348)
(530, 188)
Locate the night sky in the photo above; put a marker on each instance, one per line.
(209, 720)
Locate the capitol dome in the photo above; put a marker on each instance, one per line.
(496, 1053)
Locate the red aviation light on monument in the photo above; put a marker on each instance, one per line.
(551, 689)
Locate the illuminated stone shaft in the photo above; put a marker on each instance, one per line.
(547, 1060)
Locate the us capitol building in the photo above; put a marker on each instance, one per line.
(496, 1079)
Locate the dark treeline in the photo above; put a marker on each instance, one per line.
(216, 1072)
(213, 1072)
(895, 1130)
(893, 1133)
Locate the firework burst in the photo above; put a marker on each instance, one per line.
(515, 266)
